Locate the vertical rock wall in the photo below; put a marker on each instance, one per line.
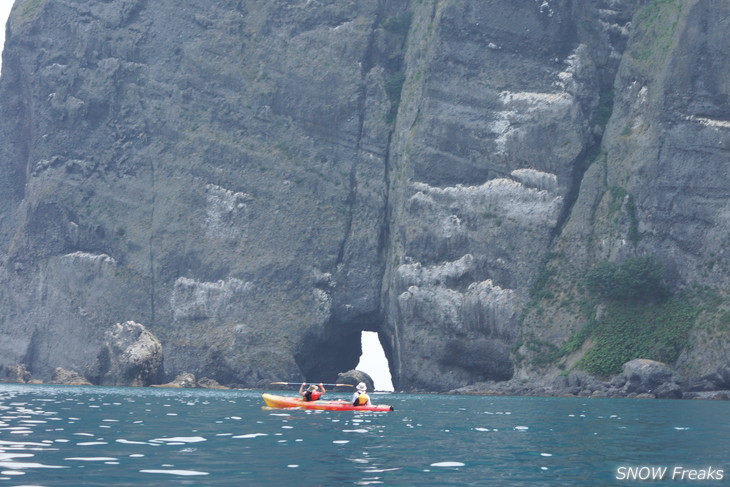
(500, 111)
(214, 172)
(258, 182)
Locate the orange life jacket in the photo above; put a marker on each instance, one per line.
(312, 395)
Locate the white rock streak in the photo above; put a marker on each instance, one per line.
(223, 207)
(193, 299)
(523, 107)
(710, 122)
(506, 197)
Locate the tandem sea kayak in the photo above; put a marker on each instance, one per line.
(281, 402)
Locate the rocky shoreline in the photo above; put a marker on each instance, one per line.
(640, 378)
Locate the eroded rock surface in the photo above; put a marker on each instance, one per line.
(354, 377)
(186, 380)
(68, 378)
(15, 374)
(131, 356)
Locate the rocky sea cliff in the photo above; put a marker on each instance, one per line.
(511, 193)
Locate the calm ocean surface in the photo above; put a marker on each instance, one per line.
(88, 436)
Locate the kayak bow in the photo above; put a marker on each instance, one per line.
(283, 402)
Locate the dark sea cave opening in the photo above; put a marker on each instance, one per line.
(345, 347)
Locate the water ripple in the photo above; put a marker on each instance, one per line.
(537, 441)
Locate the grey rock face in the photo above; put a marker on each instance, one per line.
(656, 187)
(64, 300)
(207, 383)
(194, 167)
(68, 378)
(259, 182)
(650, 376)
(354, 377)
(186, 380)
(15, 374)
(130, 356)
(485, 159)
(714, 381)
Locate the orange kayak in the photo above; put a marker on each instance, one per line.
(281, 402)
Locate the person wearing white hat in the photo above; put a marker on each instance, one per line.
(360, 397)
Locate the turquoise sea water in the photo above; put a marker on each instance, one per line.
(94, 436)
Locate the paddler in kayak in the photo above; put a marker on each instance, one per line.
(360, 397)
(312, 393)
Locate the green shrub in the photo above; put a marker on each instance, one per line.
(394, 86)
(617, 198)
(635, 279)
(577, 339)
(630, 330)
(399, 24)
(655, 27)
(604, 109)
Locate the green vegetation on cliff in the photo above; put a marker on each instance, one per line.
(398, 24)
(656, 26)
(629, 330)
(629, 314)
(637, 279)
(639, 320)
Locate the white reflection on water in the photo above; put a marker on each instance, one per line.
(176, 472)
